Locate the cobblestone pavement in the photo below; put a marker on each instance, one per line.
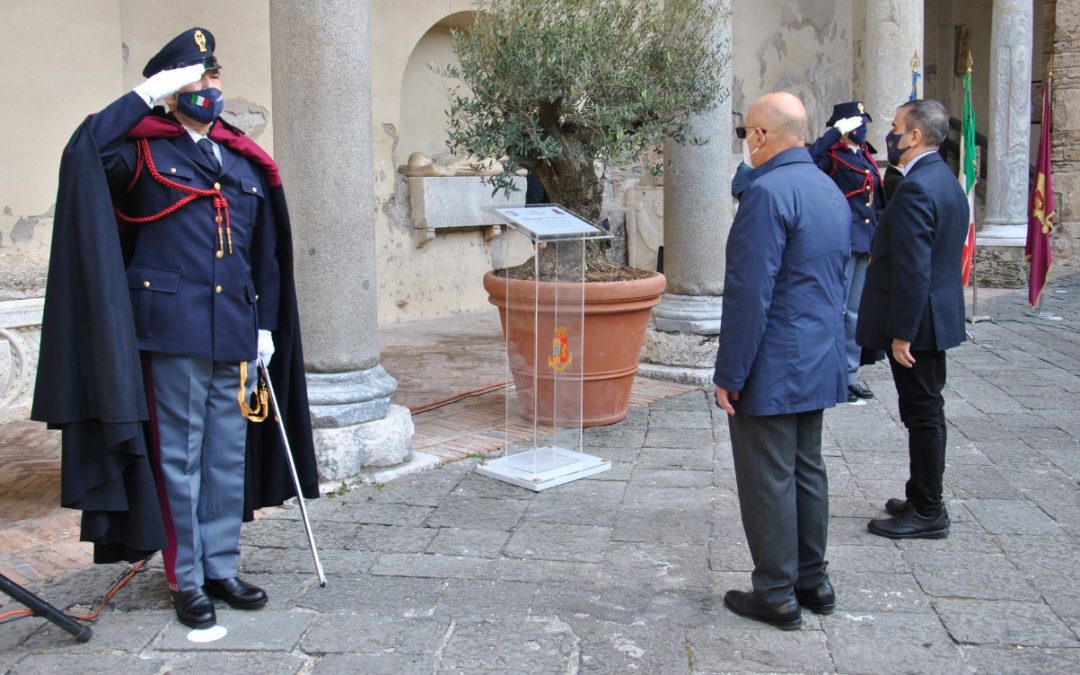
(446, 571)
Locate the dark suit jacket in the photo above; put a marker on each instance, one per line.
(913, 288)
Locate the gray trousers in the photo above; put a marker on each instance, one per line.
(855, 274)
(202, 437)
(784, 500)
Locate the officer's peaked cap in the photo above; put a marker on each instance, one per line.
(849, 109)
(195, 45)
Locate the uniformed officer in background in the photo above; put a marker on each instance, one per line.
(843, 153)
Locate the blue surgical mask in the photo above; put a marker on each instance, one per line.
(858, 135)
(202, 106)
(892, 147)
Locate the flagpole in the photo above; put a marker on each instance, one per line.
(975, 317)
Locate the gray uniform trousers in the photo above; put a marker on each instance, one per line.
(202, 436)
(784, 500)
(855, 275)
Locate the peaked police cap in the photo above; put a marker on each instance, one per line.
(850, 109)
(195, 45)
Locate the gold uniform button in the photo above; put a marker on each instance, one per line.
(254, 189)
(219, 253)
(867, 221)
(217, 289)
(217, 186)
(217, 219)
(867, 172)
(172, 169)
(146, 284)
(256, 297)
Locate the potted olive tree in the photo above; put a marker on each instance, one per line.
(565, 89)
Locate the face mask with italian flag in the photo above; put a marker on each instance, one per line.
(203, 106)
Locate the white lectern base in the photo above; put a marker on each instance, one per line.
(540, 469)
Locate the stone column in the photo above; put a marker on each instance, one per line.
(894, 33)
(323, 145)
(1005, 224)
(681, 341)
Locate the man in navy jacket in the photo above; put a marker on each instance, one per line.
(781, 360)
(913, 307)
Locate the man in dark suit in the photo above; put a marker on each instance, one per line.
(913, 307)
(781, 360)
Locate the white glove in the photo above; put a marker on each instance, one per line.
(848, 124)
(266, 347)
(167, 82)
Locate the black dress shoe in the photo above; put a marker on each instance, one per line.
(237, 592)
(911, 525)
(859, 391)
(897, 507)
(820, 599)
(787, 616)
(194, 608)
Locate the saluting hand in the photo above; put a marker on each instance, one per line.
(848, 124)
(167, 82)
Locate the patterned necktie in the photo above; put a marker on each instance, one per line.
(208, 149)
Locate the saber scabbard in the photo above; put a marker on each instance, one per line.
(278, 417)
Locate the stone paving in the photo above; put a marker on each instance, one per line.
(446, 571)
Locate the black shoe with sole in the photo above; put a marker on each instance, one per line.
(860, 391)
(911, 525)
(194, 608)
(237, 592)
(820, 599)
(897, 507)
(787, 616)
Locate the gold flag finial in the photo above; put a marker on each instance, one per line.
(1050, 68)
(915, 62)
(970, 62)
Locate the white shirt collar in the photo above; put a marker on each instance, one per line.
(907, 167)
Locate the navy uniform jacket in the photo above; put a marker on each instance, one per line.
(187, 300)
(782, 335)
(856, 174)
(913, 285)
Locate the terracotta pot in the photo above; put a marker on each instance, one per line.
(615, 316)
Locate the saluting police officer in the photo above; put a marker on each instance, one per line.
(843, 153)
(203, 276)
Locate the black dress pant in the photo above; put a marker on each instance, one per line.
(922, 410)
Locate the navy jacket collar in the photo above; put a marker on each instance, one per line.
(798, 155)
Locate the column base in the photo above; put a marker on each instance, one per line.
(1000, 266)
(342, 452)
(683, 357)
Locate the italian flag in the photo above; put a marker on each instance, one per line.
(200, 101)
(968, 174)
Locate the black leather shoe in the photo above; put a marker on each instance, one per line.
(912, 526)
(859, 391)
(820, 599)
(237, 592)
(787, 616)
(897, 507)
(194, 608)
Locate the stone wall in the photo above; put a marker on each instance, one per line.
(1063, 32)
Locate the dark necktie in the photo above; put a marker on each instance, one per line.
(208, 149)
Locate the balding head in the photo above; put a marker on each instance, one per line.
(782, 117)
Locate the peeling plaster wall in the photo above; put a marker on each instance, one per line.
(800, 46)
(444, 276)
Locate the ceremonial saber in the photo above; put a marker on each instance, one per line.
(265, 374)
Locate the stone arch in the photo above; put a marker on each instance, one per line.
(424, 92)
